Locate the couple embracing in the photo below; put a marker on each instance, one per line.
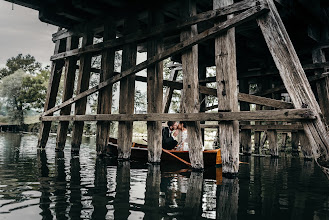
(175, 136)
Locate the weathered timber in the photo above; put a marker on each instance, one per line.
(178, 48)
(190, 94)
(127, 91)
(69, 78)
(154, 92)
(169, 92)
(322, 86)
(105, 95)
(272, 137)
(293, 77)
(227, 93)
(202, 72)
(140, 35)
(264, 115)
(257, 135)
(54, 80)
(83, 84)
(295, 141)
(245, 135)
(291, 127)
(305, 145)
(283, 88)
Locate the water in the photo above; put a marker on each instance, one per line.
(45, 185)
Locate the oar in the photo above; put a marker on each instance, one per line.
(178, 158)
(173, 155)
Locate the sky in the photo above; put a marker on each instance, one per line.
(21, 31)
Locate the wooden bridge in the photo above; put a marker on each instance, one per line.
(280, 46)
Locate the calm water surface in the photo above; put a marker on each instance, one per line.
(45, 185)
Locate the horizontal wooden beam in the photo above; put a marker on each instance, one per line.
(160, 29)
(178, 48)
(292, 127)
(266, 115)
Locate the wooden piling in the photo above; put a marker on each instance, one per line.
(305, 146)
(226, 77)
(83, 85)
(294, 142)
(154, 92)
(69, 78)
(105, 96)
(127, 92)
(245, 135)
(190, 93)
(54, 80)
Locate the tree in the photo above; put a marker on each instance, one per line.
(26, 63)
(140, 101)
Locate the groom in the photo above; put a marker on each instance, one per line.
(168, 134)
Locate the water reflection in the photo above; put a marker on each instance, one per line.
(44, 184)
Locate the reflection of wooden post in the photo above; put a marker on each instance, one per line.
(105, 95)
(127, 92)
(54, 80)
(227, 93)
(83, 85)
(61, 192)
(69, 78)
(121, 200)
(152, 192)
(190, 92)
(75, 188)
(194, 196)
(293, 77)
(100, 199)
(245, 135)
(154, 92)
(305, 145)
(227, 199)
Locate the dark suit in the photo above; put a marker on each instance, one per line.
(168, 142)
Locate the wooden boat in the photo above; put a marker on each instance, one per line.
(139, 153)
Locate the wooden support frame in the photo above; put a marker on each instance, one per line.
(178, 48)
(269, 115)
(293, 77)
(245, 135)
(169, 93)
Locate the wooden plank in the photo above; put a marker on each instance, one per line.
(245, 135)
(127, 91)
(69, 78)
(158, 30)
(227, 93)
(54, 80)
(210, 33)
(322, 86)
(105, 95)
(273, 127)
(264, 115)
(154, 91)
(83, 84)
(293, 77)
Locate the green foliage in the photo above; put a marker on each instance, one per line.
(27, 63)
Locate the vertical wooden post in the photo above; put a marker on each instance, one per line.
(105, 95)
(127, 92)
(294, 78)
(305, 146)
(272, 137)
(294, 142)
(245, 135)
(169, 92)
(190, 92)
(322, 86)
(154, 92)
(54, 80)
(227, 92)
(202, 75)
(257, 135)
(69, 78)
(83, 85)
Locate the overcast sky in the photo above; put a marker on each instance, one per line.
(21, 31)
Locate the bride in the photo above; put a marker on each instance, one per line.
(182, 137)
